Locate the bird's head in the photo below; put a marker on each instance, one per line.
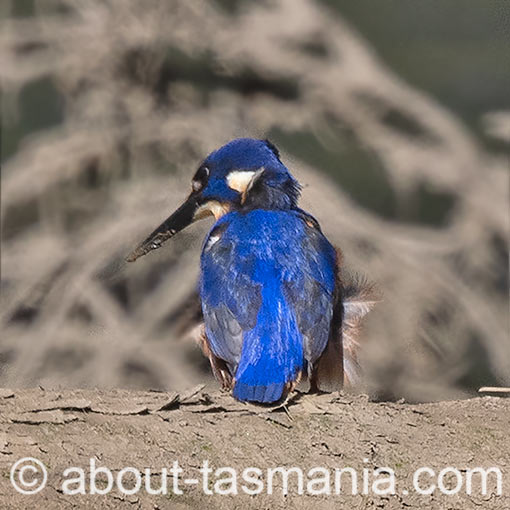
(242, 175)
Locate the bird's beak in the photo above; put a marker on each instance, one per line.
(180, 219)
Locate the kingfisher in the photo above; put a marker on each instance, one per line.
(274, 305)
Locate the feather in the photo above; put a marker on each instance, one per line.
(359, 297)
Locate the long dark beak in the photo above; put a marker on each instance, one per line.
(179, 220)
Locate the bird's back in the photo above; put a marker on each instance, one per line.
(267, 291)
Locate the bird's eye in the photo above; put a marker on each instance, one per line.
(200, 179)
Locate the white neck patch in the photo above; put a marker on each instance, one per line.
(239, 180)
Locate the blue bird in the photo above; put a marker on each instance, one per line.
(272, 299)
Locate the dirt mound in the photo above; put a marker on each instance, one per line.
(112, 430)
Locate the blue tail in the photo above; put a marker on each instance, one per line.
(272, 353)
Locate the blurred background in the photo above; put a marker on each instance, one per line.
(394, 115)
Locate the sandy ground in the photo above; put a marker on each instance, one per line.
(119, 429)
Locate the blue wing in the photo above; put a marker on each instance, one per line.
(267, 286)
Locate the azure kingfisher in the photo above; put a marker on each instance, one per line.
(270, 289)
